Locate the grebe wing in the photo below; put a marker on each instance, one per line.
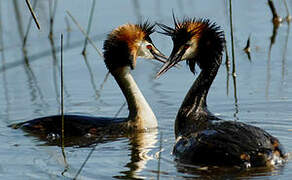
(229, 143)
(75, 125)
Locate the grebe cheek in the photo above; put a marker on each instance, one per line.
(144, 49)
(191, 51)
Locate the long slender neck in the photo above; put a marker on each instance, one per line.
(193, 113)
(140, 113)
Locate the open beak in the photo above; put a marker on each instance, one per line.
(173, 59)
(158, 55)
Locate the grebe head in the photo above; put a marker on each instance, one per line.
(197, 41)
(127, 42)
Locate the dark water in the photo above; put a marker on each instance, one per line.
(30, 84)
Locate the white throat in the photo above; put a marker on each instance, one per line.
(140, 112)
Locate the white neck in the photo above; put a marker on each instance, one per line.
(140, 112)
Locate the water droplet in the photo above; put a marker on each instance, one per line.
(88, 135)
(53, 136)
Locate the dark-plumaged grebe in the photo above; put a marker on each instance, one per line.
(121, 49)
(201, 137)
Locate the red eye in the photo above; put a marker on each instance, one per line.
(149, 47)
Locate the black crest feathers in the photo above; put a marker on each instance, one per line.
(210, 39)
(147, 27)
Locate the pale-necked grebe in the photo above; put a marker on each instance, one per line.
(121, 49)
(201, 137)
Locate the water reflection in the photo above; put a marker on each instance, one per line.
(52, 14)
(140, 145)
(55, 68)
(91, 75)
(3, 67)
(158, 9)
(137, 10)
(88, 27)
(284, 58)
(181, 8)
(44, 53)
(27, 66)
(236, 109)
(227, 66)
(68, 29)
(276, 25)
(32, 80)
(247, 48)
(277, 20)
(28, 26)
(198, 172)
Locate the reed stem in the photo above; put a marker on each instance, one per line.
(33, 14)
(89, 26)
(121, 108)
(62, 92)
(28, 26)
(85, 34)
(233, 60)
(62, 107)
(232, 39)
(288, 17)
(159, 157)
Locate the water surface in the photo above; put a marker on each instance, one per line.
(30, 85)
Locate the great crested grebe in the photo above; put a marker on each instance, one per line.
(121, 49)
(201, 137)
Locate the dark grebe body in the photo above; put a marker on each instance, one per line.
(201, 137)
